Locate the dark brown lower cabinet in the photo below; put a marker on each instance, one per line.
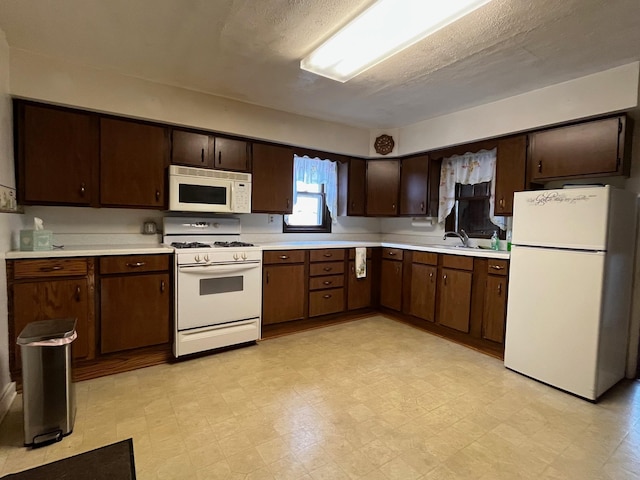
(391, 284)
(283, 292)
(495, 309)
(423, 291)
(359, 288)
(455, 299)
(55, 299)
(134, 311)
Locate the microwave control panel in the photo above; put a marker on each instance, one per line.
(241, 197)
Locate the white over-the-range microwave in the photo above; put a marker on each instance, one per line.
(202, 190)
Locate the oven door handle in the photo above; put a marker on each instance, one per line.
(219, 268)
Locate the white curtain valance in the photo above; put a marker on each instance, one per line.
(318, 171)
(468, 169)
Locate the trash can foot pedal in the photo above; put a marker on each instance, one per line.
(47, 438)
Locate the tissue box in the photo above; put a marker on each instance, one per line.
(31, 240)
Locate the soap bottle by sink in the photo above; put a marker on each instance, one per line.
(495, 242)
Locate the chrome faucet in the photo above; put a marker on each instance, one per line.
(464, 238)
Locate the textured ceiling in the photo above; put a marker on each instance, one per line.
(250, 50)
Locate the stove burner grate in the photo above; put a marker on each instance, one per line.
(190, 245)
(233, 244)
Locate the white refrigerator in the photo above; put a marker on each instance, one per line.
(570, 283)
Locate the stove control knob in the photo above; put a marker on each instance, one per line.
(244, 256)
(197, 258)
(235, 257)
(206, 258)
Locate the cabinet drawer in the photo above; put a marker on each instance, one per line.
(329, 268)
(428, 258)
(326, 255)
(497, 267)
(352, 253)
(326, 301)
(459, 262)
(64, 267)
(283, 256)
(133, 263)
(332, 281)
(392, 253)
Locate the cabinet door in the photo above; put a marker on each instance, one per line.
(357, 180)
(455, 299)
(132, 163)
(58, 156)
(282, 293)
(232, 155)
(591, 148)
(359, 289)
(272, 182)
(188, 148)
(391, 286)
(511, 165)
(414, 181)
(55, 299)
(423, 291)
(383, 181)
(134, 311)
(495, 309)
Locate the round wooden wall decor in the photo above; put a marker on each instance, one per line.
(384, 144)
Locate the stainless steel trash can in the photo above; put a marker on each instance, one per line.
(48, 392)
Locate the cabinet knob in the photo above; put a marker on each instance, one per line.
(328, 255)
(83, 189)
(391, 253)
(393, 206)
(267, 277)
(444, 278)
(431, 277)
(157, 195)
(136, 264)
(162, 286)
(353, 204)
(540, 166)
(78, 291)
(499, 289)
(288, 203)
(422, 206)
(327, 269)
(501, 202)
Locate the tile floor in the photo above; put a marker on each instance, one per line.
(370, 399)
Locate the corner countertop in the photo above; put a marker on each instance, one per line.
(91, 250)
(470, 252)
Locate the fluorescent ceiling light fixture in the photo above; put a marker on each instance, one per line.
(384, 29)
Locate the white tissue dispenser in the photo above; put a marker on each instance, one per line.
(33, 240)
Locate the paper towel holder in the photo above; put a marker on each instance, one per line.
(422, 222)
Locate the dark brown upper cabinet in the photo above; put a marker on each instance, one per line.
(351, 187)
(133, 157)
(383, 182)
(414, 185)
(511, 163)
(232, 154)
(57, 152)
(272, 182)
(192, 149)
(592, 149)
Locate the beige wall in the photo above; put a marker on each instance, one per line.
(9, 222)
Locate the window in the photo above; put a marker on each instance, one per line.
(471, 211)
(314, 196)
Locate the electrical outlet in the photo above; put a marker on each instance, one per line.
(272, 218)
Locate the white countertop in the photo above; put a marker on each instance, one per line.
(470, 252)
(99, 250)
(91, 250)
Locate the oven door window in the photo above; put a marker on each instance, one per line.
(202, 194)
(215, 286)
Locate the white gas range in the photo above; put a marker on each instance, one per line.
(218, 278)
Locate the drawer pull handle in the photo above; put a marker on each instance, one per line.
(327, 282)
(390, 253)
(136, 264)
(431, 277)
(445, 279)
(55, 268)
(328, 255)
(202, 155)
(327, 269)
(327, 296)
(219, 158)
(284, 257)
(499, 289)
(497, 267)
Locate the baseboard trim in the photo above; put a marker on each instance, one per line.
(7, 398)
